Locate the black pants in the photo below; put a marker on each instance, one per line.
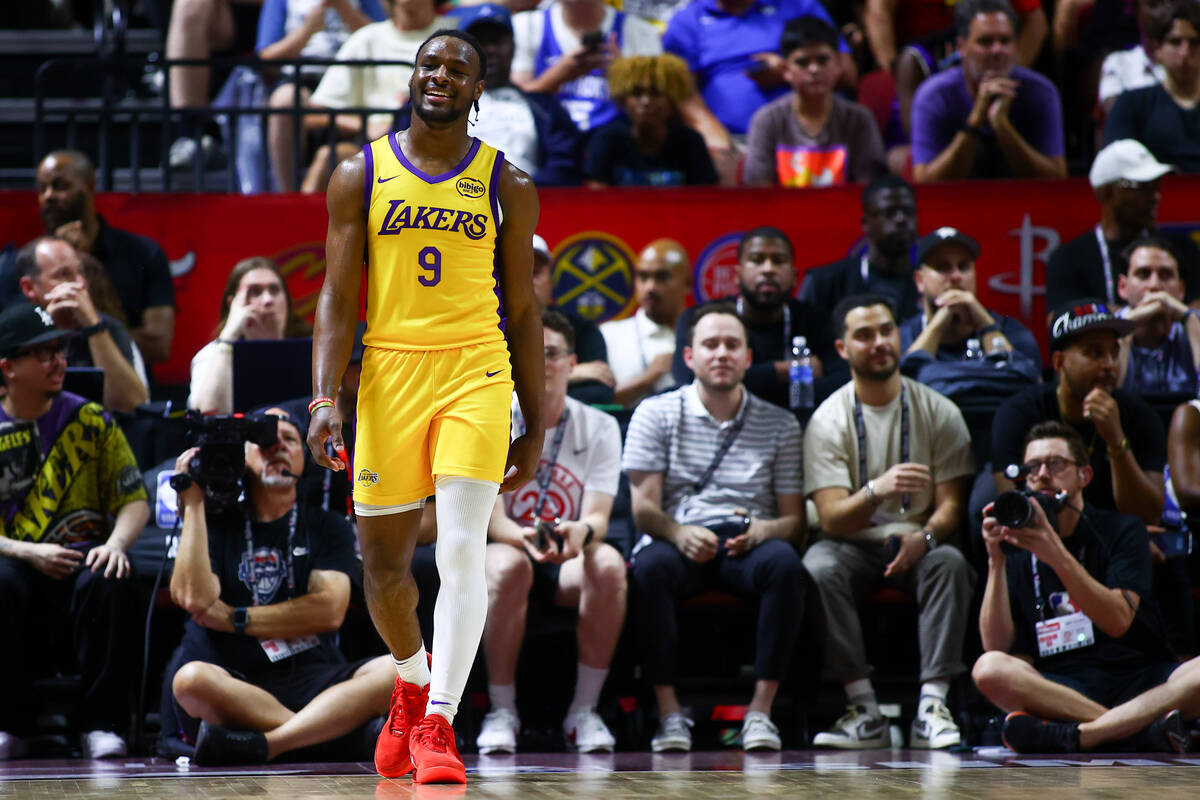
(664, 576)
(102, 617)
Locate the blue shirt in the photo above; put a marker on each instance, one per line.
(586, 97)
(1170, 367)
(718, 48)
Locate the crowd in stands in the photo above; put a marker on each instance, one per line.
(677, 459)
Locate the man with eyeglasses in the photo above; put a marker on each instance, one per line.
(1125, 179)
(1074, 647)
(546, 549)
(935, 342)
(1123, 436)
(71, 505)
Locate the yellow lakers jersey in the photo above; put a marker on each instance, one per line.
(432, 260)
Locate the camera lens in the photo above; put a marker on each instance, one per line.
(1012, 509)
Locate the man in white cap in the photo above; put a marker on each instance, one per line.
(1125, 178)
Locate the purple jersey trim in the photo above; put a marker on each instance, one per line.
(369, 161)
(403, 159)
(494, 198)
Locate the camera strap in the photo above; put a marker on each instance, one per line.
(546, 472)
(787, 325)
(860, 428)
(289, 558)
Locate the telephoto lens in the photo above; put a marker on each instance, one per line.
(1013, 509)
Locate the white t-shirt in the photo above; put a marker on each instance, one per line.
(633, 343)
(638, 37)
(589, 460)
(373, 87)
(201, 362)
(938, 437)
(1128, 69)
(506, 123)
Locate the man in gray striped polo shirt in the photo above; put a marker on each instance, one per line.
(716, 479)
(887, 462)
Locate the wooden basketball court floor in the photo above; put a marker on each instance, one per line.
(725, 775)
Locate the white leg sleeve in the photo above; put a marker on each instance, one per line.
(464, 506)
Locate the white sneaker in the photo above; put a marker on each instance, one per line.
(498, 734)
(587, 733)
(10, 746)
(855, 730)
(103, 744)
(933, 728)
(674, 733)
(759, 733)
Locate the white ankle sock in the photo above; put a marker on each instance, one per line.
(862, 693)
(503, 696)
(464, 506)
(588, 683)
(415, 668)
(937, 689)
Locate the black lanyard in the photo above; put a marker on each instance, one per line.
(731, 433)
(290, 558)
(787, 326)
(860, 427)
(546, 472)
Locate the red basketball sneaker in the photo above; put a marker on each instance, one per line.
(392, 758)
(434, 752)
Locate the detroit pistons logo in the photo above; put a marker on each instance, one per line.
(563, 496)
(262, 573)
(470, 188)
(715, 273)
(593, 276)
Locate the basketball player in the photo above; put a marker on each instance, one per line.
(447, 227)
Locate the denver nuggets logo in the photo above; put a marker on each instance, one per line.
(715, 273)
(368, 478)
(470, 188)
(593, 275)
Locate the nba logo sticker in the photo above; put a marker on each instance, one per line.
(592, 273)
(715, 273)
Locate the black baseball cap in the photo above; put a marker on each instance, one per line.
(24, 325)
(1081, 316)
(941, 236)
(286, 415)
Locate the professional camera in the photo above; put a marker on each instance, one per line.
(221, 461)
(1014, 509)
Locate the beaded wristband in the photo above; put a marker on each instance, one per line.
(319, 402)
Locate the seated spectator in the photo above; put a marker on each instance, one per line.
(1124, 70)
(1164, 116)
(1183, 457)
(71, 505)
(1125, 180)
(591, 379)
(888, 505)
(893, 24)
(1163, 352)
(917, 61)
(255, 305)
(137, 266)
(641, 347)
(715, 476)
(384, 87)
(258, 673)
(565, 49)
(571, 568)
(1101, 676)
(889, 223)
(648, 145)
(732, 49)
(935, 342)
(987, 118)
(812, 137)
(766, 279)
(294, 29)
(1124, 437)
(51, 277)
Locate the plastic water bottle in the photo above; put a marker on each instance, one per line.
(800, 376)
(974, 350)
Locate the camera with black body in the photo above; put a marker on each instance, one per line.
(1014, 509)
(219, 465)
(546, 533)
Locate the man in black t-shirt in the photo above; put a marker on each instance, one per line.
(766, 277)
(1068, 628)
(1123, 438)
(258, 672)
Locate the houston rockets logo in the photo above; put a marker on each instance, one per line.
(593, 275)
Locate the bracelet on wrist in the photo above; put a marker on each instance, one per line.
(320, 402)
(91, 330)
(1114, 452)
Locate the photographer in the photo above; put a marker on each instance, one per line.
(1067, 627)
(715, 475)
(258, 672)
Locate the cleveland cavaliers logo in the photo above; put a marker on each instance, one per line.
(470, 188)
(368, 478)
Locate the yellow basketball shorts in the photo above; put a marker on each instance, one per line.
(423, 413)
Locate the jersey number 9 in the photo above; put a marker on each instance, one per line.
(430, 260)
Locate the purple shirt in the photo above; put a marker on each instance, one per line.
(718, 46)
(943, 103)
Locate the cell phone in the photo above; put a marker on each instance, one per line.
(1174, 542)
(892, 543)
(546, 533)
(592, 40)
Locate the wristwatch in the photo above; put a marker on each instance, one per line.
(591, 532)
(241, 618)
(92, 330)
(930, 540)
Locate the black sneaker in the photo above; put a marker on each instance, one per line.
(1166, 734)
(1025, 733)
(220, 747)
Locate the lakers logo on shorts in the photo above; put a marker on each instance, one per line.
(368, 478)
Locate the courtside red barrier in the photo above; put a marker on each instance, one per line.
(595, 235)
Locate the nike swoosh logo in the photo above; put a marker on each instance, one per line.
(580, 451)
(385, 180)
(493, 374)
